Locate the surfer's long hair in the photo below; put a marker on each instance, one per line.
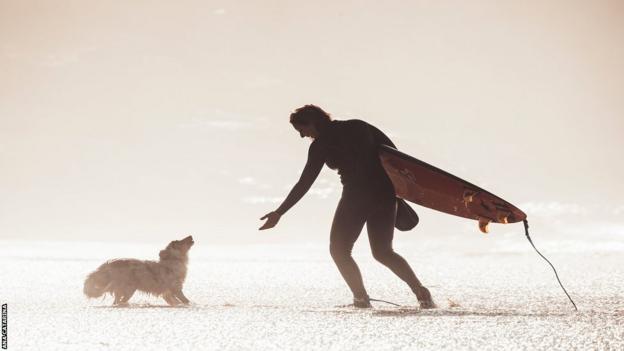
(310, 114)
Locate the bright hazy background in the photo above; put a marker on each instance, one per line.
(145, 121)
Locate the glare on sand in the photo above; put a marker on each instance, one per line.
(283, 297)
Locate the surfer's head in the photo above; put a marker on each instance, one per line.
(309, 120)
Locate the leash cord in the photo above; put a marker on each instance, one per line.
(388, 302)
(526, 231)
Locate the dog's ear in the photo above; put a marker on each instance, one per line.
(164, 254)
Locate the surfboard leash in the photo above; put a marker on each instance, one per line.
(526, 232)
(388, 302)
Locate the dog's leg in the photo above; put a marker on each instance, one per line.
(180, 295)
(118, 295)
(127, 295)
(171, 300)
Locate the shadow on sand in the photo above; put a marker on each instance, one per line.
(375, 312)
(404, 312)
(439, 312)
(140, 306)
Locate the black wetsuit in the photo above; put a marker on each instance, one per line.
(368, 196)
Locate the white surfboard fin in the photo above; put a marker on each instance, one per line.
(483, 225)
(502, 217)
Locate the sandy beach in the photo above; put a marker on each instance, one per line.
(276, 297)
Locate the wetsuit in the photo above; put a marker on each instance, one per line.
(351, 147)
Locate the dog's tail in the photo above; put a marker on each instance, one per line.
(97, 283)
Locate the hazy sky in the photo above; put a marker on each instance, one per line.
(141, 121)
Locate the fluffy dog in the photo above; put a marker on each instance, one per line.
(122, 277)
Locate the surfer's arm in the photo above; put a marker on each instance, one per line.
(311, 170)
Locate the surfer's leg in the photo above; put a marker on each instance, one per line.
(380, 226)
(348, 223)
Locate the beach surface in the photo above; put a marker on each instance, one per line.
(284, 296)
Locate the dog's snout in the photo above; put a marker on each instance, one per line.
(189, 239)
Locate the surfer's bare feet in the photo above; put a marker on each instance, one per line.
(363, 302)
(424, 298)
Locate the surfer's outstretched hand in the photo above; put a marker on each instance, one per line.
(272, 219)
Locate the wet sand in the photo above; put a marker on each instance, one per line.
(277, 297)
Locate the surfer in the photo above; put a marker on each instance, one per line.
(368, 196)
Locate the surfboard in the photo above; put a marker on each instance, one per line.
(429, 186)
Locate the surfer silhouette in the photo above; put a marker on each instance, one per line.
(368, 196)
